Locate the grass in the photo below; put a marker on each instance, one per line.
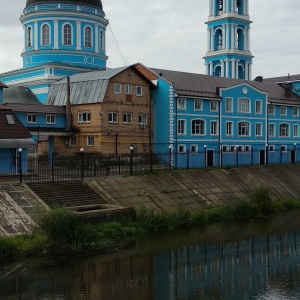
(62, 232)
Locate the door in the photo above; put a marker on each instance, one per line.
(261, 157)
(210, 158)
(293, 156)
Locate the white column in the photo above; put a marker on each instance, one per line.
(223, 37)
(55, 34)
(211, 68)
(248, 39)
(36, 31)
(233, 68)
(96, 46)
(247, 70)
(212, 36)
(206, 68)
(78, 35)
(245, 38)
(227, 67)
(247, 7)
(224, 6)
(232, 5)
(210, 7)
(237, 69)
(235, 37)
(208, 40)
(250, 71)
(232, 37)
(222, 68)
(227, 36)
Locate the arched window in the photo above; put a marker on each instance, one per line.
(220, 6)
(243, 105)
(218, 39)
(67, 34)
(217, 71)
(243, 129)
(284, 130)
(240, 39)
(88, 37)
(198, 127)
(29, 36)
(101, 40)
(45, 34)
(241, 73)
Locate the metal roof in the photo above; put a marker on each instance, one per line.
(33, 108)
(96, 3)
(20, 94)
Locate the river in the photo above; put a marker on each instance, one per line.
(254, 260)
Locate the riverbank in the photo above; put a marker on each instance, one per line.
(61, 232)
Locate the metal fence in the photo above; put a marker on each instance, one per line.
(33, 168)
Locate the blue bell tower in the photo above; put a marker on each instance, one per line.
(228, 39)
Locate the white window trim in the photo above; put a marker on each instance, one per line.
(294, 126)
(247, 148)
(274, 131)
(127, 114)
(242, 111)
(210, 106)
(72, 141)
(295, 115)
(87, 141)
(271, 148)
(63, 35)
(260, 133)
(136, 91)
(232, 128)
(184, 128)
(101, 45)
(231, 106)
(225, 148)
(198, 109)
(184, 104)
(31, 115)
(260, 111)
(196, 149)
(128, 89)
(29, 37)
(285, 108)
(144, 116)
(41, 34)
(249, 128)
(288, 133)
(84, 37)
(113, 114)
(115, 85)
(183, 146)
(50, 116)
(284, 150)
(272, 113)
(81, 114)
(217, 128)
(204, 128)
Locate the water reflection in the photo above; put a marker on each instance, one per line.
(199, 264)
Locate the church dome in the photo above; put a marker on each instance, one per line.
(96, 3)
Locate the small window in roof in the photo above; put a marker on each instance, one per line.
(10, 119)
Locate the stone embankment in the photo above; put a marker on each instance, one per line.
(194, 189)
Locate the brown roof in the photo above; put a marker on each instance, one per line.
(281, 79)
(36, 108)
(2, 85)
(11, 131)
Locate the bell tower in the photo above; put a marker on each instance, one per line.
(228, 39)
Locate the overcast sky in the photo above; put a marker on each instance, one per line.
(172, 34)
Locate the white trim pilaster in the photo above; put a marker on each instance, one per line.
(227, 36)
(227, 67)
(212, 38)
(233, 61)
(223, 36)
(35, 41)
(247, 70)
(78, 35)
(222, 68)
(96, 39)
(237, 69)
(211, 68)
(55, 34)
(208, 40)
(250, 71)
(206, 69)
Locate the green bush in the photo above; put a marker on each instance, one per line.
(261, 198)
(8, 248)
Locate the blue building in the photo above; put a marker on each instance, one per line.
(61, 38)
(228, 39)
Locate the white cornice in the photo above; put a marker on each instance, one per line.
(224, 16)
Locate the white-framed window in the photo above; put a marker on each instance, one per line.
(84, 117)
(240, 148)
(295, 130)
(72, 141)
(31, 118)
(271, 148)
(243, 128)
(283, 148)
(50, 119)
(45, 38)
(283, 110)
(139, 90)
(284, 130)
(232, 148)
(29, 36)
(295, 111)
(214, 128)
(181, 148)
(90, 140)
(101, 40)
(67, 35)
(128, 89)
(229, 128)
(247, 148)
(271, 130)
(228, 104)
(225, 148)
(258, 107)
(180, 104)
(214, 106)
(113, 117)
(117, 88)
(243, 105)
(142, 119)
(10, 119)
(88, 37)
(198, 105)
(127, 118)
(181, 127)
(198, 127)
(271, 110)
(194, 149)
(258, 129)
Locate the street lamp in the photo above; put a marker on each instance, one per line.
(131, 160)
(82, 173)
(205, 156)
(20, 163)
(170, 158)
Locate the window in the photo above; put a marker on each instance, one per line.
(194, 149)
(271, 130)
(72, 141)
(112, 117)
(88, 37)
(181, 127)
(180, 103)
(258, 129)
(295, 130)
(283, 110)
(232, 148)
(283, 148)
(228, 105)
(284, 130)
(240, 148)
(139, 90)
(213, 128)
(67, 35)
(10, 119)
(243, 105)
(229, 128)
(117, 88)
(31, 118)
(197, 104)
(90, 141)
(272, 148)
(127, 118)
(247, 148)
(198, 127)
(84, 117)
(225, 148)
(29, 36)
(258, 107)
(101, 40)
(295, 111)
(142, 119)
(271, 110)
(128, 89)
(50, 119)
(45, 35)
(243, 129)
(214, 106)
(181, 148)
